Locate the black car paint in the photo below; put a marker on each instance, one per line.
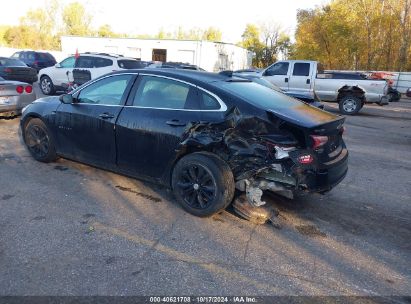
(36, 60)
(14, 69)
(140, 142)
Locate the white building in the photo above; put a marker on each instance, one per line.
(211, 56)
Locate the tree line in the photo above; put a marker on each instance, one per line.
(356, 34)
(343, 34)
(42, 28)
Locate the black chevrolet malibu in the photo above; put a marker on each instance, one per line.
(202, 134)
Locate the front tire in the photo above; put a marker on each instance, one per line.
(46, 85)
(350, 105)
(39, 141)
(203, 184)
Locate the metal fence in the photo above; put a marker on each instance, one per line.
(402, 82)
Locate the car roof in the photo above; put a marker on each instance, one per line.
(187, 75)
(106, 55)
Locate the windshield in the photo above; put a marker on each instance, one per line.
(11, 62)
(261, 96)
(288, 108)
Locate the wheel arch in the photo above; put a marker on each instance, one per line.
(188, 151)
(26, 120)
(355, 90)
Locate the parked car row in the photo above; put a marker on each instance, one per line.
(55, 78)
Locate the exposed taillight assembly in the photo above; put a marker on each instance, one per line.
(20, 89)
(28, 89)
(7, 70)
(306, 159)
(318, 141)
(279, 151)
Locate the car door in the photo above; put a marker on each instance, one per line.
(59, 73)
(87, 63)
(86, 127)
(300, 80)
(101, 66)
(277, 74)
(149, 130)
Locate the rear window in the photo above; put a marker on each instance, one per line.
(131, 64)
(45, 56)
(301, 69)
(102, 62)
(85, 62)
(260, 96)
(11, 62)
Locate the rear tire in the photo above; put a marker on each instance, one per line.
(46, 85)
(203, 184)
(350, 104)
(39, 141)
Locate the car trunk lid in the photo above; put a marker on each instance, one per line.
(317, 131)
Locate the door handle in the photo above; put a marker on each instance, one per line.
(286, 79)
(106, 116)
(175, 123)
(308, 81)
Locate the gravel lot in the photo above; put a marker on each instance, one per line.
(71, 229)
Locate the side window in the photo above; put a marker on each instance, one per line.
(107, 91)
(280, 68)
(301, 69)
(31, 56)
(23, 56)
(208, 102)
(157, 92)
(84, 62)
(101, 62)
(68, 63)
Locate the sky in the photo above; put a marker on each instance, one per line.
(149, 16)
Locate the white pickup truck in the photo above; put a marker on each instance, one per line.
(303, 76)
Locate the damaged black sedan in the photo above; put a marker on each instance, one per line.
(202, 134)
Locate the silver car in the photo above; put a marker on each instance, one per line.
(14, 96)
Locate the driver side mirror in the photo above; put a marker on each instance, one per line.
(57, 65)
(67, 99)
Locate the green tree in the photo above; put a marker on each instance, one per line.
(105, 31)
(3, 30)
(356, 34)
(212, 34)
(22, 36)
(267, 42)
(76, 20)
(251, 41)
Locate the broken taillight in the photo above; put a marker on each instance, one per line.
(306, 159)
(319, 141)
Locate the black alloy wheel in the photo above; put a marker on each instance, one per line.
(203, 183)
(38, 141)
(197, 186)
